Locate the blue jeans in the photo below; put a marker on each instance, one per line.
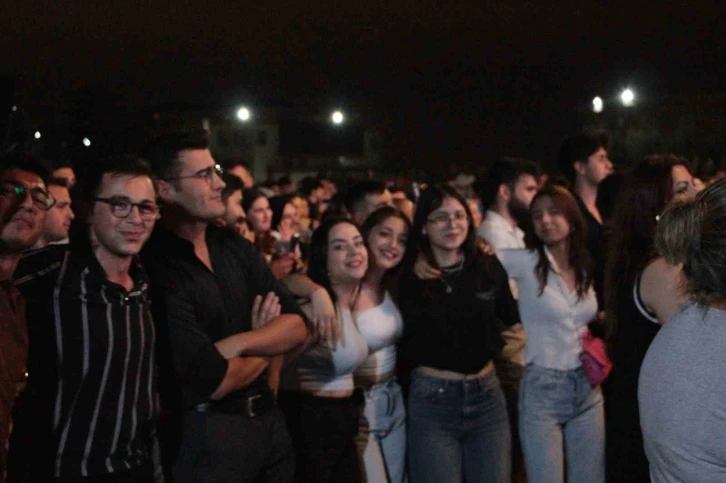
(381, 439)
(561, 419)
(457, 430)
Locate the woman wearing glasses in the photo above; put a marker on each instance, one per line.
(457, 419)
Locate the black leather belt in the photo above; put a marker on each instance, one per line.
(250, 405)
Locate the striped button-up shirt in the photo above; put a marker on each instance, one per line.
(91, 396)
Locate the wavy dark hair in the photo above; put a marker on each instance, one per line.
(278, 204)
(578, 256)
(375, 219)
(646, 191)
(429, 201)
(318, 261)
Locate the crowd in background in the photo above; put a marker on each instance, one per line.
(165, 317)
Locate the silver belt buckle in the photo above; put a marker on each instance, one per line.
(250, 400)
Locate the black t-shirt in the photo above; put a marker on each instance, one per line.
(597, 248)
(458, 331)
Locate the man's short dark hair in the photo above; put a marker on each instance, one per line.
(506, 171)
(129, 165)
(310, 184)
(228, 164)
(163, 150)
(579, 148)
(232, 184)
(25, 162)
(358, 192)
(53, 181)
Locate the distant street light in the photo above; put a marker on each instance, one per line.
(627, 97)
(243, 114)
(597, 104)
(337, 117)
(86, 142)
(37, 135)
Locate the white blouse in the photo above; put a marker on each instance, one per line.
(555, 321)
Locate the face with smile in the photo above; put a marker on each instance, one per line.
(289, 223)
(196, 187)
(260, 215)
(347, 261)
(121, 236)
(23, 217)
(550, 224)
(448, 225)
(387, 242)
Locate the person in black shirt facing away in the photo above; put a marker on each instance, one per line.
(205, 282)
(90, 406)
(583, 159)
(457, 416)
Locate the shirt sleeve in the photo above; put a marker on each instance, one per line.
(195, 359)
(514, 262)
(506, 307)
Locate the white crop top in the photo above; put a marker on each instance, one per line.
(323, 368)
(381, 328)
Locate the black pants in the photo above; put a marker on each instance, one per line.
(510, 375)
(323, 433)
(233, 448)
(140, 474)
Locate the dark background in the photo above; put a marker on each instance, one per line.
(449, 83)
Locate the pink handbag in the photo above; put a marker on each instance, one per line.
(594, 359)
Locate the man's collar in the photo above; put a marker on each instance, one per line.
(499, 219)
(81, 249)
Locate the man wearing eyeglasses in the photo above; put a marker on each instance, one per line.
(89, 410)
(23, 205)
(208, 279)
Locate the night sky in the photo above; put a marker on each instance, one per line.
(449, 82)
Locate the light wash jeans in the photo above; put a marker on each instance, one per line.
(381, 439)
(561, 419)
(458, 430)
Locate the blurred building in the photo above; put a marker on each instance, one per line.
(279, 141)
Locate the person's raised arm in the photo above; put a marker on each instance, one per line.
(322, 309)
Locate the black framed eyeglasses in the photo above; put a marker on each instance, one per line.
(41, 198)
(122, 208)
(443, 219)
(205, 174)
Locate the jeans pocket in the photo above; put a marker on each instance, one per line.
(427, 388)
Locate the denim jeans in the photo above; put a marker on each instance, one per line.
(457, 430)
(381, 439)
(561, 419)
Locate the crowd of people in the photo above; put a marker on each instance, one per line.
(166, 318)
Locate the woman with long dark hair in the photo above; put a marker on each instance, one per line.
(458, 428)
(317, 388)
(382, 428)
(560, 412)
(647, 189)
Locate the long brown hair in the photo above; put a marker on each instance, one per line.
(645, 193)
(578, 256)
